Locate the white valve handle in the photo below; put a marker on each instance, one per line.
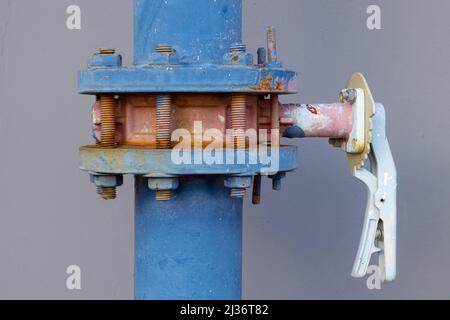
(380, 222)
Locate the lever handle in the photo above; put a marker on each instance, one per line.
(380, 221)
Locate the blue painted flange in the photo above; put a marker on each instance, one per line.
(206, 54)
(188, 78)
(127, 160)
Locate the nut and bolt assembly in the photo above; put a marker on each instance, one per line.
(238, 126)
(163, 132)
(108, 133)
(348, 95)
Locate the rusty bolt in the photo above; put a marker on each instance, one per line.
(164, 48)
(107, 51)
(348, 95)
(238, 185)
(108, 135)
(238, 47)
(163, 133)
(238, 120)
(108, 121)
(163, 187)
(107, 184)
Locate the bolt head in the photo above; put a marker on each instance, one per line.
(276, 180)
(348, 95)
(238, 182)
(107, 181)
(162, 58)
(238, 58)
(105, 58)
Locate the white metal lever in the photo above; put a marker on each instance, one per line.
(380, 222)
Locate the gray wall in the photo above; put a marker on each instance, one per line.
(299, 243)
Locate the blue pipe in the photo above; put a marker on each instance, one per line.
(201, 31)
(189, 248)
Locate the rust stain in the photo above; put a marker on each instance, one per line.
(312, 109)
(266, 85)
(236, 58)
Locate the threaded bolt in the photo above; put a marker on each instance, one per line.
(108, 121)
(164, 48)
(107, 51)
(108, 137)
(238, 47)
(108, 193)
(163, 133)
(238, 192)
(238, 119)
(163, 121)
(163, 195)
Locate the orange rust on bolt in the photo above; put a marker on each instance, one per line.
(136, 116)
(107, 51)
(238, 119)
(164, 122)
(108, 121)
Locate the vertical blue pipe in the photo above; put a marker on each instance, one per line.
(201, 31)
(189, 247)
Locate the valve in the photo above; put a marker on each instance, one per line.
(357, 125)
(190, 86)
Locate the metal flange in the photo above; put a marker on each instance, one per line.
(188, 78)
(159, 163)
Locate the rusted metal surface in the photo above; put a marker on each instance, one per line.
(136, 117)
(269, 85)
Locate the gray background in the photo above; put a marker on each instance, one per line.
(299, 243)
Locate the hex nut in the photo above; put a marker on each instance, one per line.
(107, 181)
(105, 60)
(162, 184)
(238, 182)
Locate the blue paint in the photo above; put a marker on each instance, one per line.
(185, 78)
(191, 246)
(201, 31)
(159, 162)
